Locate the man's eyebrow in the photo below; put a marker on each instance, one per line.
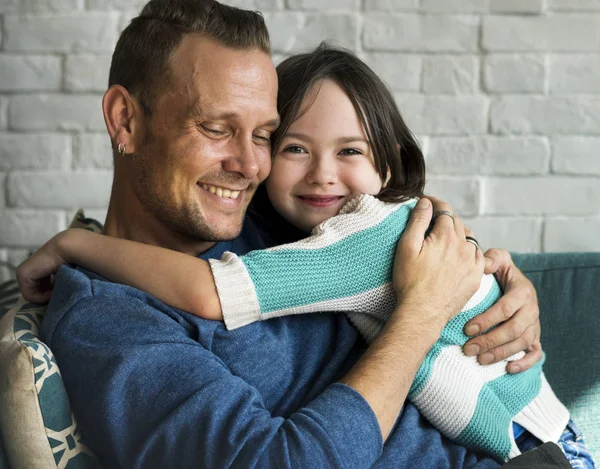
(273, 123)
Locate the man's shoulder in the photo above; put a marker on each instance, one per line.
(82, 299)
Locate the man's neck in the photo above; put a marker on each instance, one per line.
(138, 225)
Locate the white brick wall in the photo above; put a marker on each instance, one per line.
(503, 94)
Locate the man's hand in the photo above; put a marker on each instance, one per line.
(516, 313)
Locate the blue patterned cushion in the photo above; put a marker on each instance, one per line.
(37, 426)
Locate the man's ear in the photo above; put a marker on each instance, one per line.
(124, 118)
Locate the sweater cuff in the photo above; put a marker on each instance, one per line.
(351, 423)
(237, 295)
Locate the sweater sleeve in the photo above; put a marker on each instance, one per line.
(154, 396)
(345, 265)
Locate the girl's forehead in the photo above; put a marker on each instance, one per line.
(326, 108)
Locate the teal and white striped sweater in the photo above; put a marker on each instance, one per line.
(346, 266)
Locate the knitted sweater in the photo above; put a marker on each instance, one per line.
(346, 265)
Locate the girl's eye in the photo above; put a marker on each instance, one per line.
(294, 149)
(350, 151)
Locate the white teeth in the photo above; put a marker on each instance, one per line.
(226, 193)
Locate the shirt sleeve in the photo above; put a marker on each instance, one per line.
(147, 395)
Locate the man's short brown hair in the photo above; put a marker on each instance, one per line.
(140, 61)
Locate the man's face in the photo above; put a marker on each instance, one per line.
(207, 142)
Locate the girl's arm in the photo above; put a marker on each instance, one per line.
(176, 279)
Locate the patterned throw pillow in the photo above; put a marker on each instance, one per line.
(37, 426)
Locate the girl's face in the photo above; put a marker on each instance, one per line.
(324, 160)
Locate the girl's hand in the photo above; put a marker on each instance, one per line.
(36, 274)
(438, 274)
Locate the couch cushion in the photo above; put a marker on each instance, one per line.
(36, 423)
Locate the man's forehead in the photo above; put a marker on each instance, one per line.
(202, 58)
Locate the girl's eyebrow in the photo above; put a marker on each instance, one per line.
(306, 138)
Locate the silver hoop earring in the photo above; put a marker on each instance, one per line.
(121, 148)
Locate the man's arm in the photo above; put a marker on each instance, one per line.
(148, 395)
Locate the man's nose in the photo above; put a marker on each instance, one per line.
(322, 172)
(244, 158)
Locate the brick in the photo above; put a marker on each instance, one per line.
(93, 151)
(510, 233)
(576, 155)
(87, 72)
(30, 73)
(553, 195)
(444, 115)
(53, 189)
(400, 72)
(3, 190)
(34, 151)
(4, 100)
(558, 33)
(39, 6)
(283, 28)
(463, 194)
(514, 73)
(575, 74)
(294, 31)
(546, 115)
(515, 155)
(75, 32)
(29, 228)
(572, 235)
(455, 6)
(517, 6)
(56, 112)
(323, 6)
(450, 74)
(420, 33)
(574, 5)
(488, 155)
(391, 5)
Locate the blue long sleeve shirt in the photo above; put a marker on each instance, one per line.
(155, 387)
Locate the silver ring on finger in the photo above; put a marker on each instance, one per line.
(440, 213)
(473, 241)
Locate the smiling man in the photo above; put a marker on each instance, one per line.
(190, 110)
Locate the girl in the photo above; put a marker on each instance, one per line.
(342, 136)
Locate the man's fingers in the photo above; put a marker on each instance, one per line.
(496, 258)
(532, 356)
(417, 225)
(503, 310)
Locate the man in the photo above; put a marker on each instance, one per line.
(192, 104)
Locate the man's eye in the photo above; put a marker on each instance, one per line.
(263, 140)
(213, 131)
